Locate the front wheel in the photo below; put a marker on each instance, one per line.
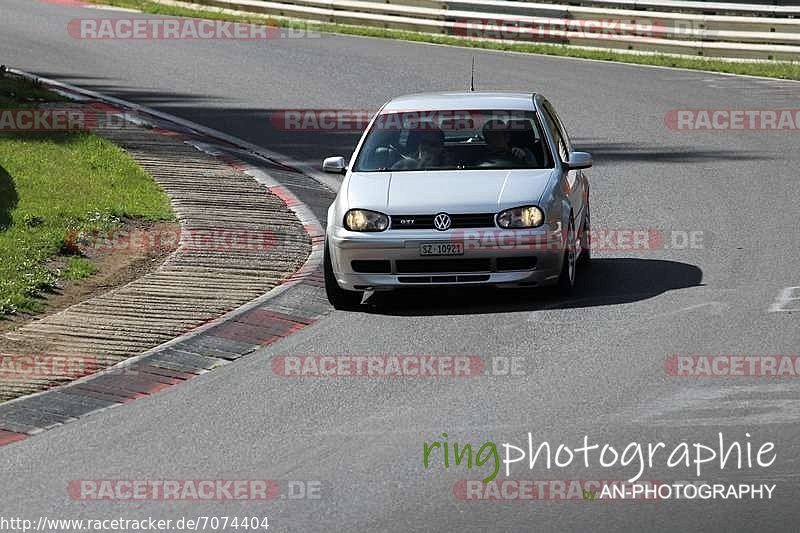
(586, 239)
(338, 297)
(566, 281)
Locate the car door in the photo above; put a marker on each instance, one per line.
(574, 182)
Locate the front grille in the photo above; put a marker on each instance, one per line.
(412, 266)
(470, 278)
(480, 220)
(469, 220)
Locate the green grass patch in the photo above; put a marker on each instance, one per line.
(769, 69)
(19, 92)
(52, 185)
(78, 268)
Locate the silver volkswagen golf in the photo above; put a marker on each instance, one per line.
(475, 188)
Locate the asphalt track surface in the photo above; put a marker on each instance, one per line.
(593, 364)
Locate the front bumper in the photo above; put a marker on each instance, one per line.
(492, 256)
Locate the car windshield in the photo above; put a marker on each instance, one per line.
(453, 140)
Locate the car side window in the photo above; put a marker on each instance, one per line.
(562, 130)
(561, 146)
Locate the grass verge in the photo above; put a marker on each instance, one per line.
(52, 185)
(769, 69)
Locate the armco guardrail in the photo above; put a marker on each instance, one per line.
(687, 33)
(769, 8)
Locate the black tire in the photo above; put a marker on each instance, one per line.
(586, 244)
(566, 281)
(339, 298)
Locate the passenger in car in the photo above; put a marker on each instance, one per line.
(498, 140)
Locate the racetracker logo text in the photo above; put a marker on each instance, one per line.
(555, 29)
(597, 239)
(45, 366)
(732, 119)
(173, 489)
(356, 120)
(733, 365)
(143, 29)
(554, 490)
(413, 366)
(183, 239)
(52, 119)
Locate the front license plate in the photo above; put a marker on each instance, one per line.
(441, 248)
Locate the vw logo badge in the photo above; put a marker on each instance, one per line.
(442, 221)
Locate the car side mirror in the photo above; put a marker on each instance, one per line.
(334, 165)
(579, 160)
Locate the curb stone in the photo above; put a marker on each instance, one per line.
(298, 301)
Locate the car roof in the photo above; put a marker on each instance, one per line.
(454, 101)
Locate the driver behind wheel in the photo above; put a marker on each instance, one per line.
(430, 152)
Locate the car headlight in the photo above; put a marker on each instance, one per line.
(521, 217)
(364, 220)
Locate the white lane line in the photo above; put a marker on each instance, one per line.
(722, 405)
(100, 7)
(783, 302)
(715, 309)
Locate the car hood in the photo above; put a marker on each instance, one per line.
(456, 191)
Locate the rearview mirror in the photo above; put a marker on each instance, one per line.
(579, 160)
(334, 165)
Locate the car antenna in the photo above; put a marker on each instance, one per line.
(472, 76)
